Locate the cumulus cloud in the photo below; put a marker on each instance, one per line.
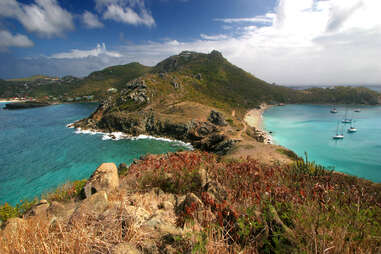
(340, 14)
(100, 50)
(131, 12)
(9, 40)
(44, 17)
(91, 20)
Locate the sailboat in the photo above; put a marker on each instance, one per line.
(352, 129)
(346, 119)
(338, 135)
(333, 110)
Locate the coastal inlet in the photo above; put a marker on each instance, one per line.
(310, 128)
(39, 152)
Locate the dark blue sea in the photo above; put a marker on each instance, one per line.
(310, 128)
(38, 151)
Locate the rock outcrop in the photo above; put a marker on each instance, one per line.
(217, 118)
(105, 178)
(204, 135)
(136, 91)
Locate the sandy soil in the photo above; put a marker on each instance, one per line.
(248, 147)
(254, 117)
(3, 101)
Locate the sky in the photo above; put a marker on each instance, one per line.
(289, 42)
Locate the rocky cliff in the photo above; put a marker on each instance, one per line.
(135, 110)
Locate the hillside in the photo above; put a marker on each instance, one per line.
(218, 81)
(193, 202)
(32, 78)
(201, 99)
(95, 84)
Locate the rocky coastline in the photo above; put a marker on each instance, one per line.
(203, 135)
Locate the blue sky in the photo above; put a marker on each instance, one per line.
(289, 42)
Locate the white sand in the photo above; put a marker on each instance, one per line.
(254, 118)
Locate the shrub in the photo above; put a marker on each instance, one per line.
(67, 191)
(8, 211)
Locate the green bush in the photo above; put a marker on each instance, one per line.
(8, 211)
(67, 191)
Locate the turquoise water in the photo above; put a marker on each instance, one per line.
(309, 128)
(38, 152)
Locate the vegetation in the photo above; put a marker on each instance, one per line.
(251, 208)
(209, 78)
(66, 192)
(32, 78)
(302, 208)
(340, 95)
(8, 211)
(95, 84)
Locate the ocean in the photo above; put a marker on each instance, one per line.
(310, 128)
(39, 153)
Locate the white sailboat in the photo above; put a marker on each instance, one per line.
(352, 129)
(338, 135)
(333, 110)
(346, 119)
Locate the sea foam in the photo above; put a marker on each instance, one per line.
(120, 135)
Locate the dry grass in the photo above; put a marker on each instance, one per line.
(88, 234)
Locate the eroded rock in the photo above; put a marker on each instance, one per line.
(105, 178)
(217, 118)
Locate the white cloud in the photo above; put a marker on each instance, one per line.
(131, 12)
(44, 17)
(9, 40)
(128, 15)
(213, 37)
(100, 50)
(91, 20)
(298, 46)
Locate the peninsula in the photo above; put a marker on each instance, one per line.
(235, 193)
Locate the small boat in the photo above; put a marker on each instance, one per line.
(357, 110)
(333, 110)
(346, 119)
(338, 135)
(352, 129)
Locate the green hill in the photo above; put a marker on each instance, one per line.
(223, 81)
(207, 77)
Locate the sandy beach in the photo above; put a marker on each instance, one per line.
(254, 118)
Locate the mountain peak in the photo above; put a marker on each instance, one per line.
(184, 59)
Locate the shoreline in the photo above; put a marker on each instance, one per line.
(120, 136)
(4, 101)
(254, 119)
